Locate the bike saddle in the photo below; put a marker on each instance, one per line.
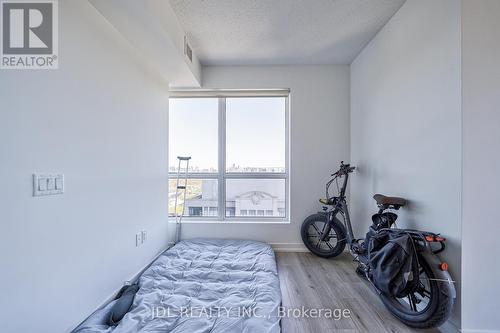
(389, 201)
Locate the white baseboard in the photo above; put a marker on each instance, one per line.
(471, 330)
(289, 247)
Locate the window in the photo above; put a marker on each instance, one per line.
(239, 155)
(212, 211)
(194, 211)
(255, 135)
(193, 128)
(230, 211)
(201, 196)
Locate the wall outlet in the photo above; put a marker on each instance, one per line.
(144, 236)
(138, 239)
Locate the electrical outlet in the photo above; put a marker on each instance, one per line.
(144, 235)
(138, 239)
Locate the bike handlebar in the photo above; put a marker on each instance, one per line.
(344, 169)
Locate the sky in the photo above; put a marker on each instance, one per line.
(255, 131)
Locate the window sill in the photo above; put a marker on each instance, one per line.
(215, 221)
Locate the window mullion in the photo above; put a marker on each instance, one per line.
(287, 157)
(193, 175)
(222, 158)
(249, 175)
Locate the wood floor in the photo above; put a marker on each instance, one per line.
(313, 282)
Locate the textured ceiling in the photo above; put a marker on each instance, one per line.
(262, 32)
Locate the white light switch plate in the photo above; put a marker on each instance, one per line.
(47, 184)
(138, 239)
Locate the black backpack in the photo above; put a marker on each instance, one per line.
(393, 261)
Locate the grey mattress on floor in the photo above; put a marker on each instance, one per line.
(203, 285)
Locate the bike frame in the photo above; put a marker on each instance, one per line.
(340, 206)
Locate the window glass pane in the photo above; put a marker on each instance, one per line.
(256, 197)
(193, 131)
(201, 197)
(230, 211)
(255, 134)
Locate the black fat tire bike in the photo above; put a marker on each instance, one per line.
(327, 233)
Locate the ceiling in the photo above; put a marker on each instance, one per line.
(279, 32)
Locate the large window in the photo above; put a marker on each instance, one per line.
(239, 155)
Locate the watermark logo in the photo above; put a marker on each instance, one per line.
(29, 37)
(249, 312)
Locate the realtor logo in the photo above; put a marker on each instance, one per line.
(29, 34)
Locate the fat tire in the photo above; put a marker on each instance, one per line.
(338, 228)
(436, 314)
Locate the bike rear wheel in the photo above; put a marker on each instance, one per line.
(427, 307)
(312, 231)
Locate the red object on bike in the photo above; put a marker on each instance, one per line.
(443, 266)
(431, 238)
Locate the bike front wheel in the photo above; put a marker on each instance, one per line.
(322, 239)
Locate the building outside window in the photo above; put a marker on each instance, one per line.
(239, 155)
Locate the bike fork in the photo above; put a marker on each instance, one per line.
(350, 234)
(327, 227)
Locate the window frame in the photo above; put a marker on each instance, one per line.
(222, 175)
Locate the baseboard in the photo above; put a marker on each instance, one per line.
(471, 330)
(288, 247)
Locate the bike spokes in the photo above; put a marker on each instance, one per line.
(412, 300)
(315, 236)
(419, 300)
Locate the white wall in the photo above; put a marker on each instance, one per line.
(481, 164)
(319, 116)
(406, 122)
(101, 121)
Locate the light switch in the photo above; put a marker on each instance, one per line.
(60, 183)
(51, 183)
(47, 184)
(42, 184)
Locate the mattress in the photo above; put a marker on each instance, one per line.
(201, 286)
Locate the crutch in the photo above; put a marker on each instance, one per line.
(178, 218)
